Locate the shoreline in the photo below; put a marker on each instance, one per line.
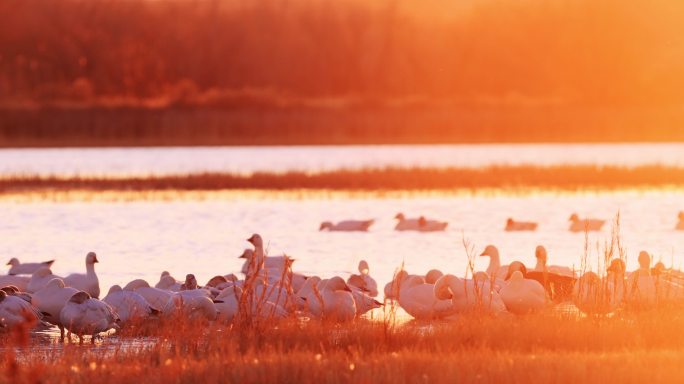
(511, 179)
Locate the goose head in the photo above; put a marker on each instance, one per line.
(91, 258)
(325, 225)
(509, 222)
(190, 281)
(256, 240)
(433, 275)
(13, 262)
(363, 267)
(658, 269)
(574, 217)
(446, 285)
(400, 216)
(79, 297)
(247, 254)
(644, 259)
(540, 254)
(617, 267)
(514, 267)
(490, 251)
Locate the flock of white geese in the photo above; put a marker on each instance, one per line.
(32, 295)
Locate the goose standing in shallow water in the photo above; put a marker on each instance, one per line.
(87, 282)
(580, 225)
(84, 315)
(347, 226)
(51, 299)
(420, 224)
(512, 225)
(18, 268)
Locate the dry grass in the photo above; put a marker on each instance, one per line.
(633, 347)
(571, 178)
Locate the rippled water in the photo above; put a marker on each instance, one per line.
(139, 239)
(115, 162)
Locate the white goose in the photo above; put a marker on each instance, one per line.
(191, 305)
(87, 282)
(227, 303)
(523, 296)
(20, 282)
(494, 269)
(84, 315)
(363, 281)
(392, 288)
(334, 301)
(417, 298)
(580, 225)
(130, 306)
(51, 299)
(642, 290)
(155, 297)
(270, 262)
(347, 226)
(15, 311)
(420, 224)
(18, 268)
(40, 279)
(468, 295)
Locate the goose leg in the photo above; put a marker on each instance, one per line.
(61, 333)
(80, 339)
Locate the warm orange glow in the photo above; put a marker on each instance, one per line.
(561, 65)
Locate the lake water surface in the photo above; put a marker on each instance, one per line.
(140, 239)
(118, 162)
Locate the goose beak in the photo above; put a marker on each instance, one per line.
(95, 260)
(9, 263)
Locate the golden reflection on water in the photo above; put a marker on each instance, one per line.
(302, 194)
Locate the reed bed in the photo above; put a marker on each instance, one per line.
(632, 347)
(566, 177)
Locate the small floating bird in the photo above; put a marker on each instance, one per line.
(18, 268)
(87, 282)
(347, 226)
(581, 225)
(512, 225)
(420, 224)
(84, 315)
(363, 281)
(680, 224)
(521, 295)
